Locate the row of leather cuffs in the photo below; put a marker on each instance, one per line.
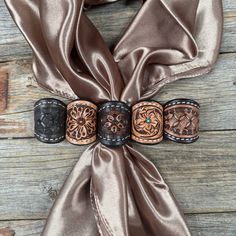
(114, 123)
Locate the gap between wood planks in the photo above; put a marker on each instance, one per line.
(203, 131)
(186, 214)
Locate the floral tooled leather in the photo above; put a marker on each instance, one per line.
(181, 119)
(50, 118)
(81, 122)
(147, 122)
(114, 123)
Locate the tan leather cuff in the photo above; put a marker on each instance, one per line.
(147, 122)
(81, 124)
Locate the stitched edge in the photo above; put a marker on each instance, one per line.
(113, 139)
(82, 103)
(54, 103)
(180, 103)
(152, 103)
(49, 139)
(181, 139)
(93, 204)
(147, 140)
(105, 223)
(112, 106)
(81, 142)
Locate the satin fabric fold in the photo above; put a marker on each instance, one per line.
(117, 192)
(127, 193)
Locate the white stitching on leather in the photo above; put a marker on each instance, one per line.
(182, 139)
(117, 106)
(54, 103)
(114, 140)
(49, 139)
(178, 103)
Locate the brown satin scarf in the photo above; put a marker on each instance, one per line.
(117, 192)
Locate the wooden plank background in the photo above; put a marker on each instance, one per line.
(202, 175)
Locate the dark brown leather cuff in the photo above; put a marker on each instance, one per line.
(114, 123)
(181, 120)
(81, 125)
(147, 122)
(50, 118)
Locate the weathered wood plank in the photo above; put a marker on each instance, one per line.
(7, 232)
(201, 175)
(3, 90)
(229, 34)
(25, 227)
(199, 224)
(212, 224)
(229, 5)
(215, 92)
(13, 46)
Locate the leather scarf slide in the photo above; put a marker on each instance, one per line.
(117, 191)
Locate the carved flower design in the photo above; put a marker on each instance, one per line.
(114, 122)
(147, 121)
(81, 122)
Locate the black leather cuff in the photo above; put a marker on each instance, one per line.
(50, 120)
(114, 123)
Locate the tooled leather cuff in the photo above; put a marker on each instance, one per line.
(181, 120)
(147, 122)
(81, 125)
(50, 118)
(114, 123)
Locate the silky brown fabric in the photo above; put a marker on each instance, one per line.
(117, 192)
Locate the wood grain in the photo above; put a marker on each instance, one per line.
(222, 224)
(3, 90)
(110, 19)
(25, 227)
(202, 175)
(6, 232)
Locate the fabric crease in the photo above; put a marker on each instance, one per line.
(117, 191)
